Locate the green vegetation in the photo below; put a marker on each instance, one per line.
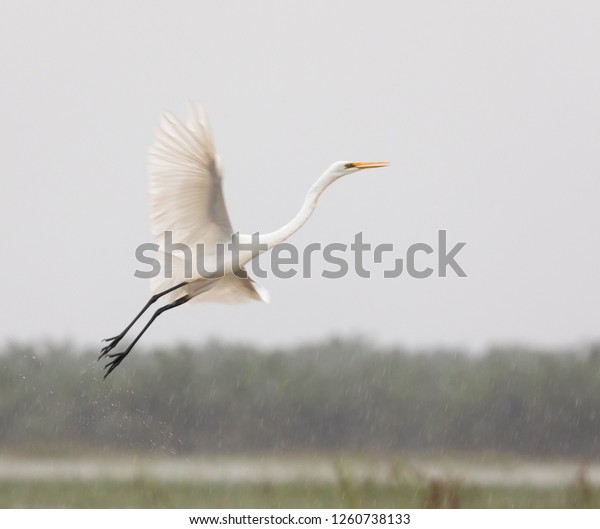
(324, 397)
(147, 494)
(323, 400)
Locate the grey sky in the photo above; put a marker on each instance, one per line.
(488, 111)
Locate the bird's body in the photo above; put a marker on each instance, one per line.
(187, 204)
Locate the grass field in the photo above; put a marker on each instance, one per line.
(295, 482)
(148, 494)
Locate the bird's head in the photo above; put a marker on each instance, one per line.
(343, 168)
(339, 169)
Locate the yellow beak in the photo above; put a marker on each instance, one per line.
(370, 165)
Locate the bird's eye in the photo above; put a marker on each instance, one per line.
(349, 165)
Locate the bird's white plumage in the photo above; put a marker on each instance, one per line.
(186, 198)
(186, 195)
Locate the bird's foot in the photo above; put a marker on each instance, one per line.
(108, 348)
(117, 358)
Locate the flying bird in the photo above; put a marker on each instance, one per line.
(186, 202)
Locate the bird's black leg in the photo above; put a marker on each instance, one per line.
(117, 358)
(116, 339)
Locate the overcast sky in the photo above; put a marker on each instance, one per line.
(488, 111)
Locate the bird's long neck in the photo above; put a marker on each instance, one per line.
(310, 202)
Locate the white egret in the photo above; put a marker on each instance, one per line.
(186, 199)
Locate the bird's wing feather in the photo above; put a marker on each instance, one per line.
(186, 198)
(186, 195)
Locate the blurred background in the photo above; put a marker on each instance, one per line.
(478, 391)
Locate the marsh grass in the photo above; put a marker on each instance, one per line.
(144, 493)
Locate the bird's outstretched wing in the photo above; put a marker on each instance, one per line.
(186, 199)
(186, 195)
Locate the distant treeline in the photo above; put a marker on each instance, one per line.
(335, 395)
